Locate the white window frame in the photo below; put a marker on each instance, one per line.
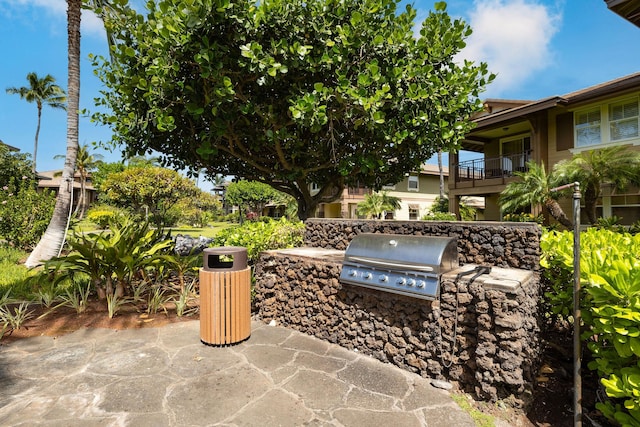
(604, 125)
(413, 178)
(625, 119)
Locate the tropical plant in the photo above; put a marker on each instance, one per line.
(77, 296)
(85, 164)
(43, 91)
(284, 93)
(111, 259)
(185, 301)
(615, 166)
(375, 204)
(610, 303)
(534, 188)
(612, 223)
(52, 240)
(14, 317)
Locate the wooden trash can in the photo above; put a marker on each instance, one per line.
(225, 296)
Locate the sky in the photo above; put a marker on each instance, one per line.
(537, 48)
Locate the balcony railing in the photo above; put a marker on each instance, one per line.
(491, 168)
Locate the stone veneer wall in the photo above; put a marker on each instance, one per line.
(503, 244)
(496, 336)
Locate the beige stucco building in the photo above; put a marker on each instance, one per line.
(510, 133)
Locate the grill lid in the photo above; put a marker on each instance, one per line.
(409, 265)
(400, 252)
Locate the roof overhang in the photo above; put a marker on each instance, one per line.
(627, 9)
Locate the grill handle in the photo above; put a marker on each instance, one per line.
(369, 261)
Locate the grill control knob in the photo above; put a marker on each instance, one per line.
(383, 278)
(411, 282)
(401, 281)
(367, 275)
(353, 273)
(421, 283)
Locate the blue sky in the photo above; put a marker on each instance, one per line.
(538, 48)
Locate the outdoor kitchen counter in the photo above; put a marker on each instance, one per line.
(481, 334)
(332, 255)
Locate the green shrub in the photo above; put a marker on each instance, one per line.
(612, 223)
(610, 277)
(258, 236)
(102, 215)
(24, 214)
(523, 217)
(111, 259)
(438, 216)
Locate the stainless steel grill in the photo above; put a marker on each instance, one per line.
(407, 265)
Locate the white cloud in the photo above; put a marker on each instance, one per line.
(56, 10)
(513, 37)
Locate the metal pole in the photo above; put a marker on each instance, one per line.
(577, 378)
(577, 349)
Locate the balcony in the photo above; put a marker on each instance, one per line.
(486, 171)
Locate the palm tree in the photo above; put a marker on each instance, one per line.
(375, 204)
(85, 164)
(615, 165)
(534, 189)
(52, 240)
(42, 91)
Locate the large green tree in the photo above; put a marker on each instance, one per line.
(147, 191)
(615, 166)
(289, 92)
(43, 91)
(250, 196)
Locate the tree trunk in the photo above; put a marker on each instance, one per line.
(441, 171)
(51, 242)
(590, 201)
(555, 210)
(81, 206)
(35, 143)
(306, 208)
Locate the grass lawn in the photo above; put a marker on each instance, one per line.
(209, 232)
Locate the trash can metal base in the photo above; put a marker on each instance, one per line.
(225, 306)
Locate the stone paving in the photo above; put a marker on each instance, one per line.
(167, 377)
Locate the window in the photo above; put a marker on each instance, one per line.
(608, 123)
(414, 211)
(413, 183)
(515, 153)
(588, 128)
(623, 120)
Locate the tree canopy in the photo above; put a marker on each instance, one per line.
(250, 196)
(151, 190)
(289, 92)
(535, 188)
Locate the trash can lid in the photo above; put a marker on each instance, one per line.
(212, 261)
